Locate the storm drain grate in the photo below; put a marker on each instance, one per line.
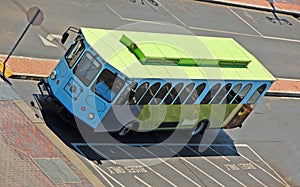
(56, 170)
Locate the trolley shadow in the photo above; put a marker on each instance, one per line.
(137, 145)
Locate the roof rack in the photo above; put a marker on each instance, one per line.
(176, 57)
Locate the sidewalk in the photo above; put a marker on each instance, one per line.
(31, 154)
(29, 67)
(290, 7)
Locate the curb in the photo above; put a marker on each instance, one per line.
(283, 94)
(254, 7)
(25, 76)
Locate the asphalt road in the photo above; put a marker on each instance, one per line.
(276, 45)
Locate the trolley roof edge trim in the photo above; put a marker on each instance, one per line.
(207, 50)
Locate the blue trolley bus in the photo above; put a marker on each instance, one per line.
(119, 81)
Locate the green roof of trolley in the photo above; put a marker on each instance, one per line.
(173, 56)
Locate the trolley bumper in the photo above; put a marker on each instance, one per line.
(45, 89)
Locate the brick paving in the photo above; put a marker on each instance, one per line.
(20, 142)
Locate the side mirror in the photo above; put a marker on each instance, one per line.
(64, 37)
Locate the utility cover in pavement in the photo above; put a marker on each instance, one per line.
(56, 170)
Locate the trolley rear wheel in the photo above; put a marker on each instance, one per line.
(200, 127)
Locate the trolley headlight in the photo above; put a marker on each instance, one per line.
(91, 116)
(53, 75)
(73, 89)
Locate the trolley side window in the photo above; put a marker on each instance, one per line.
(139, 93)
(108, 85)
(87, 68)
(211, 93)
(232, 94)
(150, 93)
(257, 94)
(241, 95)
(161, 93)
(221, 94)
(196, 93)
(127, 94)
(183, 95)
(173, 93)
(74, 52)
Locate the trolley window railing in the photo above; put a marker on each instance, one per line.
(173, 93)
(253, 99)
(211, 93)
(150, 93)
(139, 93)
(241, 95)
(184, 94)
(161, 93)
(232, 93)
(221, 94)
(196, 93)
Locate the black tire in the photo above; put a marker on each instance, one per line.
(129, 127)
(200, 127)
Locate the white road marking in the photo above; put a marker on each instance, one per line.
(213, 179)
(46, 42)
(80, 152)
(279, 179)
(143, 182)
(130, 19)
(224, 157)
(52, 37)
(154, 144)
(181, 22)
(243, 34)
(281, 39)
(257, 180)
(103, 155)
(253, 28)
(235, 179)
(285, 183)
(158, 174)
(100, 153)
(263, 36)
(101, 171)
(220, 31)
(205, 29)
(295, 19)
(169, 165)
(238, 181)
